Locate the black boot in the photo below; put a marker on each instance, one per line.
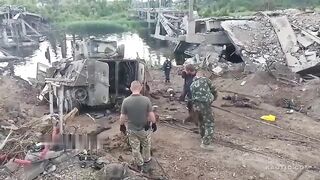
(140, 168)
(147, 167)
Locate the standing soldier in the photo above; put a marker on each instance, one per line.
(137, 109)
(167, 65)
(203, 94)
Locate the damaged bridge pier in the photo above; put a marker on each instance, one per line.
(182, 29)
(20, 28)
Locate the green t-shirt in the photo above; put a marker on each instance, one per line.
(136, 107)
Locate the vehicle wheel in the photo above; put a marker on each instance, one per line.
(79, 94)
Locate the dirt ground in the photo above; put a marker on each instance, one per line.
(245, 146)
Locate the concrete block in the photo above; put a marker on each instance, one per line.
(217, 70)
(304, 40)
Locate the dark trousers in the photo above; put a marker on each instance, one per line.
(186, 92)
(167, 74)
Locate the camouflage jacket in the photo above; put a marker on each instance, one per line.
(202, 90)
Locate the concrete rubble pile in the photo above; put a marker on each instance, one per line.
(210, 57)
(256, 41)
(287, 40)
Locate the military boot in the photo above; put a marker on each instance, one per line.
(147, 167)
(139, 169)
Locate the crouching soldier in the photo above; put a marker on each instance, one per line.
(203, 94)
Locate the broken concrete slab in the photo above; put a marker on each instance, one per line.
(312, 56)
(310, 53)
(286, 35)
(293, 63)
(304, 40)
(289, 45)
(310, 35)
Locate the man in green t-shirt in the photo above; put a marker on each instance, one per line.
(137, 109)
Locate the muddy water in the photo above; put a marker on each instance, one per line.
(153, 52)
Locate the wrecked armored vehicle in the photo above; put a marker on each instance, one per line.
(98, 76)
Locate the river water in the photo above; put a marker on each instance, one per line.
(152, 51)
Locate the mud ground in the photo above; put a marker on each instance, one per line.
(246, 147)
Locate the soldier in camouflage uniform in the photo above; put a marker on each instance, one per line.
(203, 94)
(137, 109)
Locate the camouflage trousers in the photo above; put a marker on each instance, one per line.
(143, 139)
(206, 121)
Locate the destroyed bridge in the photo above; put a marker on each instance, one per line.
(288, 38)
(19, 28)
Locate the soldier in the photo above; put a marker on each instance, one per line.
(187, 74)
(167, 65)
(203, 94)
(137, 109)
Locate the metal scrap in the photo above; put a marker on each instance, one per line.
(239, 101)
(6, 140)
(291, 104)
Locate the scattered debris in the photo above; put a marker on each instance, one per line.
(239, 101)
(5, 140)
(269, 117)
(114, 171)
(94, 120)
(291, 104)
(11, 166)
(290, 111)
(71, 115)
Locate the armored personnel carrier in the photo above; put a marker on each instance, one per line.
(98, 75)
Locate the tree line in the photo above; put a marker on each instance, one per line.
(225, 7)
(105, 15)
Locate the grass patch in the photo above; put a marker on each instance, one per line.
(93, 27)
